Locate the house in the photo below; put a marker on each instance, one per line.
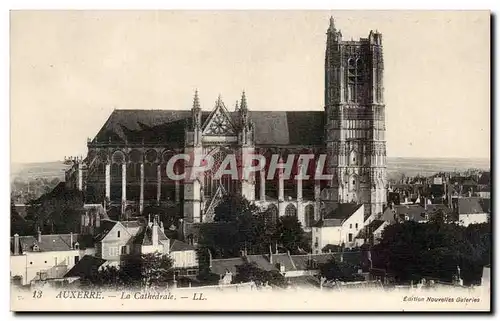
(373, 231)
(341, 226)
(185, 260)
(473, 210)
(420, 213)
(119, 240)
(44, 257)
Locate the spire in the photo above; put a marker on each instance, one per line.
(236, 107)
(332, 24)
(196, 100)
(243, 104)
(219, 101)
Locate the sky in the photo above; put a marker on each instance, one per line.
(70, 69)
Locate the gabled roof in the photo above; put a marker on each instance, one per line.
(328, 222)
(179, 246)
(473, 205)
(168, 126)
(374, 225)
(145, 236)
(103, 230)
(87, 266)
(343, 211)
(338, 215)
(49, 243)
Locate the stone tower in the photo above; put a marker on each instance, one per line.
(355, 120)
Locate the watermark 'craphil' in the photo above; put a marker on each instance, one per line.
(243, 166)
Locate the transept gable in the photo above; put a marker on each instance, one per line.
(219, 121)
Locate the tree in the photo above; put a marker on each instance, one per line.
(155, 269)
(58, 211)
(412, 251)
(108, 276)
(234, 207)
(152, 269)
(339, 271)
(250, 272)
(289, 234)
(19, 225)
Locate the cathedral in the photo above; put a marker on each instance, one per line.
(126, 164)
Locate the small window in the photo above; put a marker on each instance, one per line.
(353, 182)
(350, 237)
(45, 261)
(31, 262)
(356, 225)
(77, 259)
(118, 234)
(350, 225)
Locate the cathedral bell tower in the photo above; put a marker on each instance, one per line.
(355, 120)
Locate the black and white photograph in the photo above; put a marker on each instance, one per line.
(250, 160)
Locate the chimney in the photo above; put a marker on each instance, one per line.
(71, 239)
(39, 238)
(209, 258)
(16, 244)
(270, 255)
(154, 234)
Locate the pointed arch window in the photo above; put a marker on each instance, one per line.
(290, 210)
(354, 78)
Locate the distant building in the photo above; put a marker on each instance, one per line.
(420, 213)
(341, 226)
(45, 257)
(473, 210)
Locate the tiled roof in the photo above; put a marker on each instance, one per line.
(329, 222)
(145, 236)
(473, 205)
(49, 243)
(415, 212)
(343, 211)
(103, 230)
(87, 266)
(262, 262)
(178, 246)
(221, 266)
(168, 126)
(302, 262)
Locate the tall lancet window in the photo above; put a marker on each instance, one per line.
(354, 79)
(351, 80)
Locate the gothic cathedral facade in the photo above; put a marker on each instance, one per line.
(126, 164)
